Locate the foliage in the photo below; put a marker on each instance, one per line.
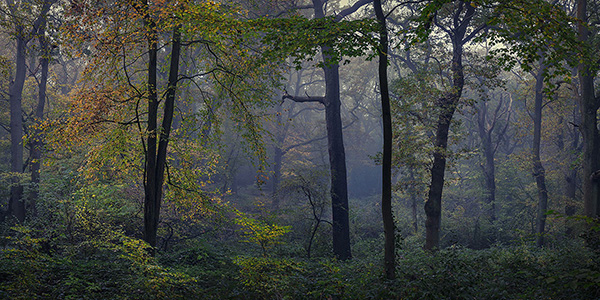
(262, 232)
(343, 38)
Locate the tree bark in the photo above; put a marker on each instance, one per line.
(16, 206)
(150, 181)
(156, 154)
(337, 156)
(337, 162)
(538, 169)
(35, 147)
(386, 192)
(588, 105)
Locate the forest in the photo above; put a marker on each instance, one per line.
(299, 149)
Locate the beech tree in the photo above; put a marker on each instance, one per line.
(459, 30)
(386, 192)
(337, 159)
(589, 103)
(138, 29)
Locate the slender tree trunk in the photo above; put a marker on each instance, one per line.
(337, 156)
(150, 180)
(36, 144)
(490, 183)
(16, 206)
(588, 105)
(538, 169)
(156, 154)
(433, 205)
(386, 192)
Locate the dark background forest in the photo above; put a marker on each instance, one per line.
(297, 149)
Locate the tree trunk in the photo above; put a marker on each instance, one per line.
(16, 206)
(588, 105)
(386, 192)
(337, 162)
(433, 205)
(156, 156)
(35, 146)
(150, 183)
(538, 168)
(337, 156)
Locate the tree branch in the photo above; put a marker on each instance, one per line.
(302, 99)
(344, 13)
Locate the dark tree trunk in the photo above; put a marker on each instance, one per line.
(588, 104)
(386, 192)
(337, 162)
(156, 154)
(152, 200)
(36, 144)
(538, 169)
(337, 156)
(16, 206)
(447, 107)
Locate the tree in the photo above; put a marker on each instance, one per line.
(462, 14)
(588, 105)
(538, 169)
(121, 82)
(488, 123)
(386, 166)
(157, 138)
(337, 159)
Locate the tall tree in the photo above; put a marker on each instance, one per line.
(538, 169)
(386, 192)
(335, 141)
(488, 125)
(157, 138)
(588, 105)
(460, 19)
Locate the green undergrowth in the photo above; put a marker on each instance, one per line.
(118, 267)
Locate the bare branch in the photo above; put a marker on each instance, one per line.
(302, 99)
(344, 13)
